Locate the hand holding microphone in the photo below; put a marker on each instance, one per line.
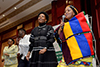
(61, 24)
(62, 21)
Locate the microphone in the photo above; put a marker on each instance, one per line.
(63, 17)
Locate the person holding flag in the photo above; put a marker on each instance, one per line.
(75, 39)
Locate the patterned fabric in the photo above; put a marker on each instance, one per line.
(13, 65)
(86, 62)
(12, 58)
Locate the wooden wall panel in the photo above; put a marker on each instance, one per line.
(0, 38)
(50, 18)
(20, 26)
(36, 23)
(95, 22)
(3, 45)
(0, 55)
(77, 4)
(9, 34)
(54, 12)
(28, 26)
(98, 1)
(98, 20)
(60, 10)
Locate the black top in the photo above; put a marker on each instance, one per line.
(43, 36)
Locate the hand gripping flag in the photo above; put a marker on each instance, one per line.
(78, 39)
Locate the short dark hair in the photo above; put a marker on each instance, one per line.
(22, 30)
(46, 15)
(12, 40)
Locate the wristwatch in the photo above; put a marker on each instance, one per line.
(45, 47)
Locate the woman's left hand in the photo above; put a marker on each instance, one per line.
(42, 51)
(6, 54)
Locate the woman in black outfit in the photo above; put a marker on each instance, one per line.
(42, 39)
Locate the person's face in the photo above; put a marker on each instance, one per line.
(20, 33)
(10, 42)
(42, 18)
(69, 13)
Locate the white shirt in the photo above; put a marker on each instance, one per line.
(24, 46)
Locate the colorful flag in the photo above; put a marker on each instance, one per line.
(78, 39)
(76, 25)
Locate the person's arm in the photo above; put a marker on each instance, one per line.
(28, 55)
(60, 28)
(19, 53)
(31, 45)
(30, 49)
(50, 37)
(15, 52)
(50, 40)
(31, 42)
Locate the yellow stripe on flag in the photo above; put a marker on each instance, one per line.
(74, 48)
(67, 30)
(71, 42)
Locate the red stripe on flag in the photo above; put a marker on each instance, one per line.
(82, 21)
(89, 39)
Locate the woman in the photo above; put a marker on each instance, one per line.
(70, 12)
(10, 54)
(42, 39)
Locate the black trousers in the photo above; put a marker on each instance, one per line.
(24, 63)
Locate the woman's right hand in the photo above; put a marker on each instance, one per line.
(42, 51)
(6, 54)
(61, 25)
(27, 57)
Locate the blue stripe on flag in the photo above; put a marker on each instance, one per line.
(83, 45)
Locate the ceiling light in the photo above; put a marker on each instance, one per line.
(15, 8)
(66, 2)
(3, 15)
